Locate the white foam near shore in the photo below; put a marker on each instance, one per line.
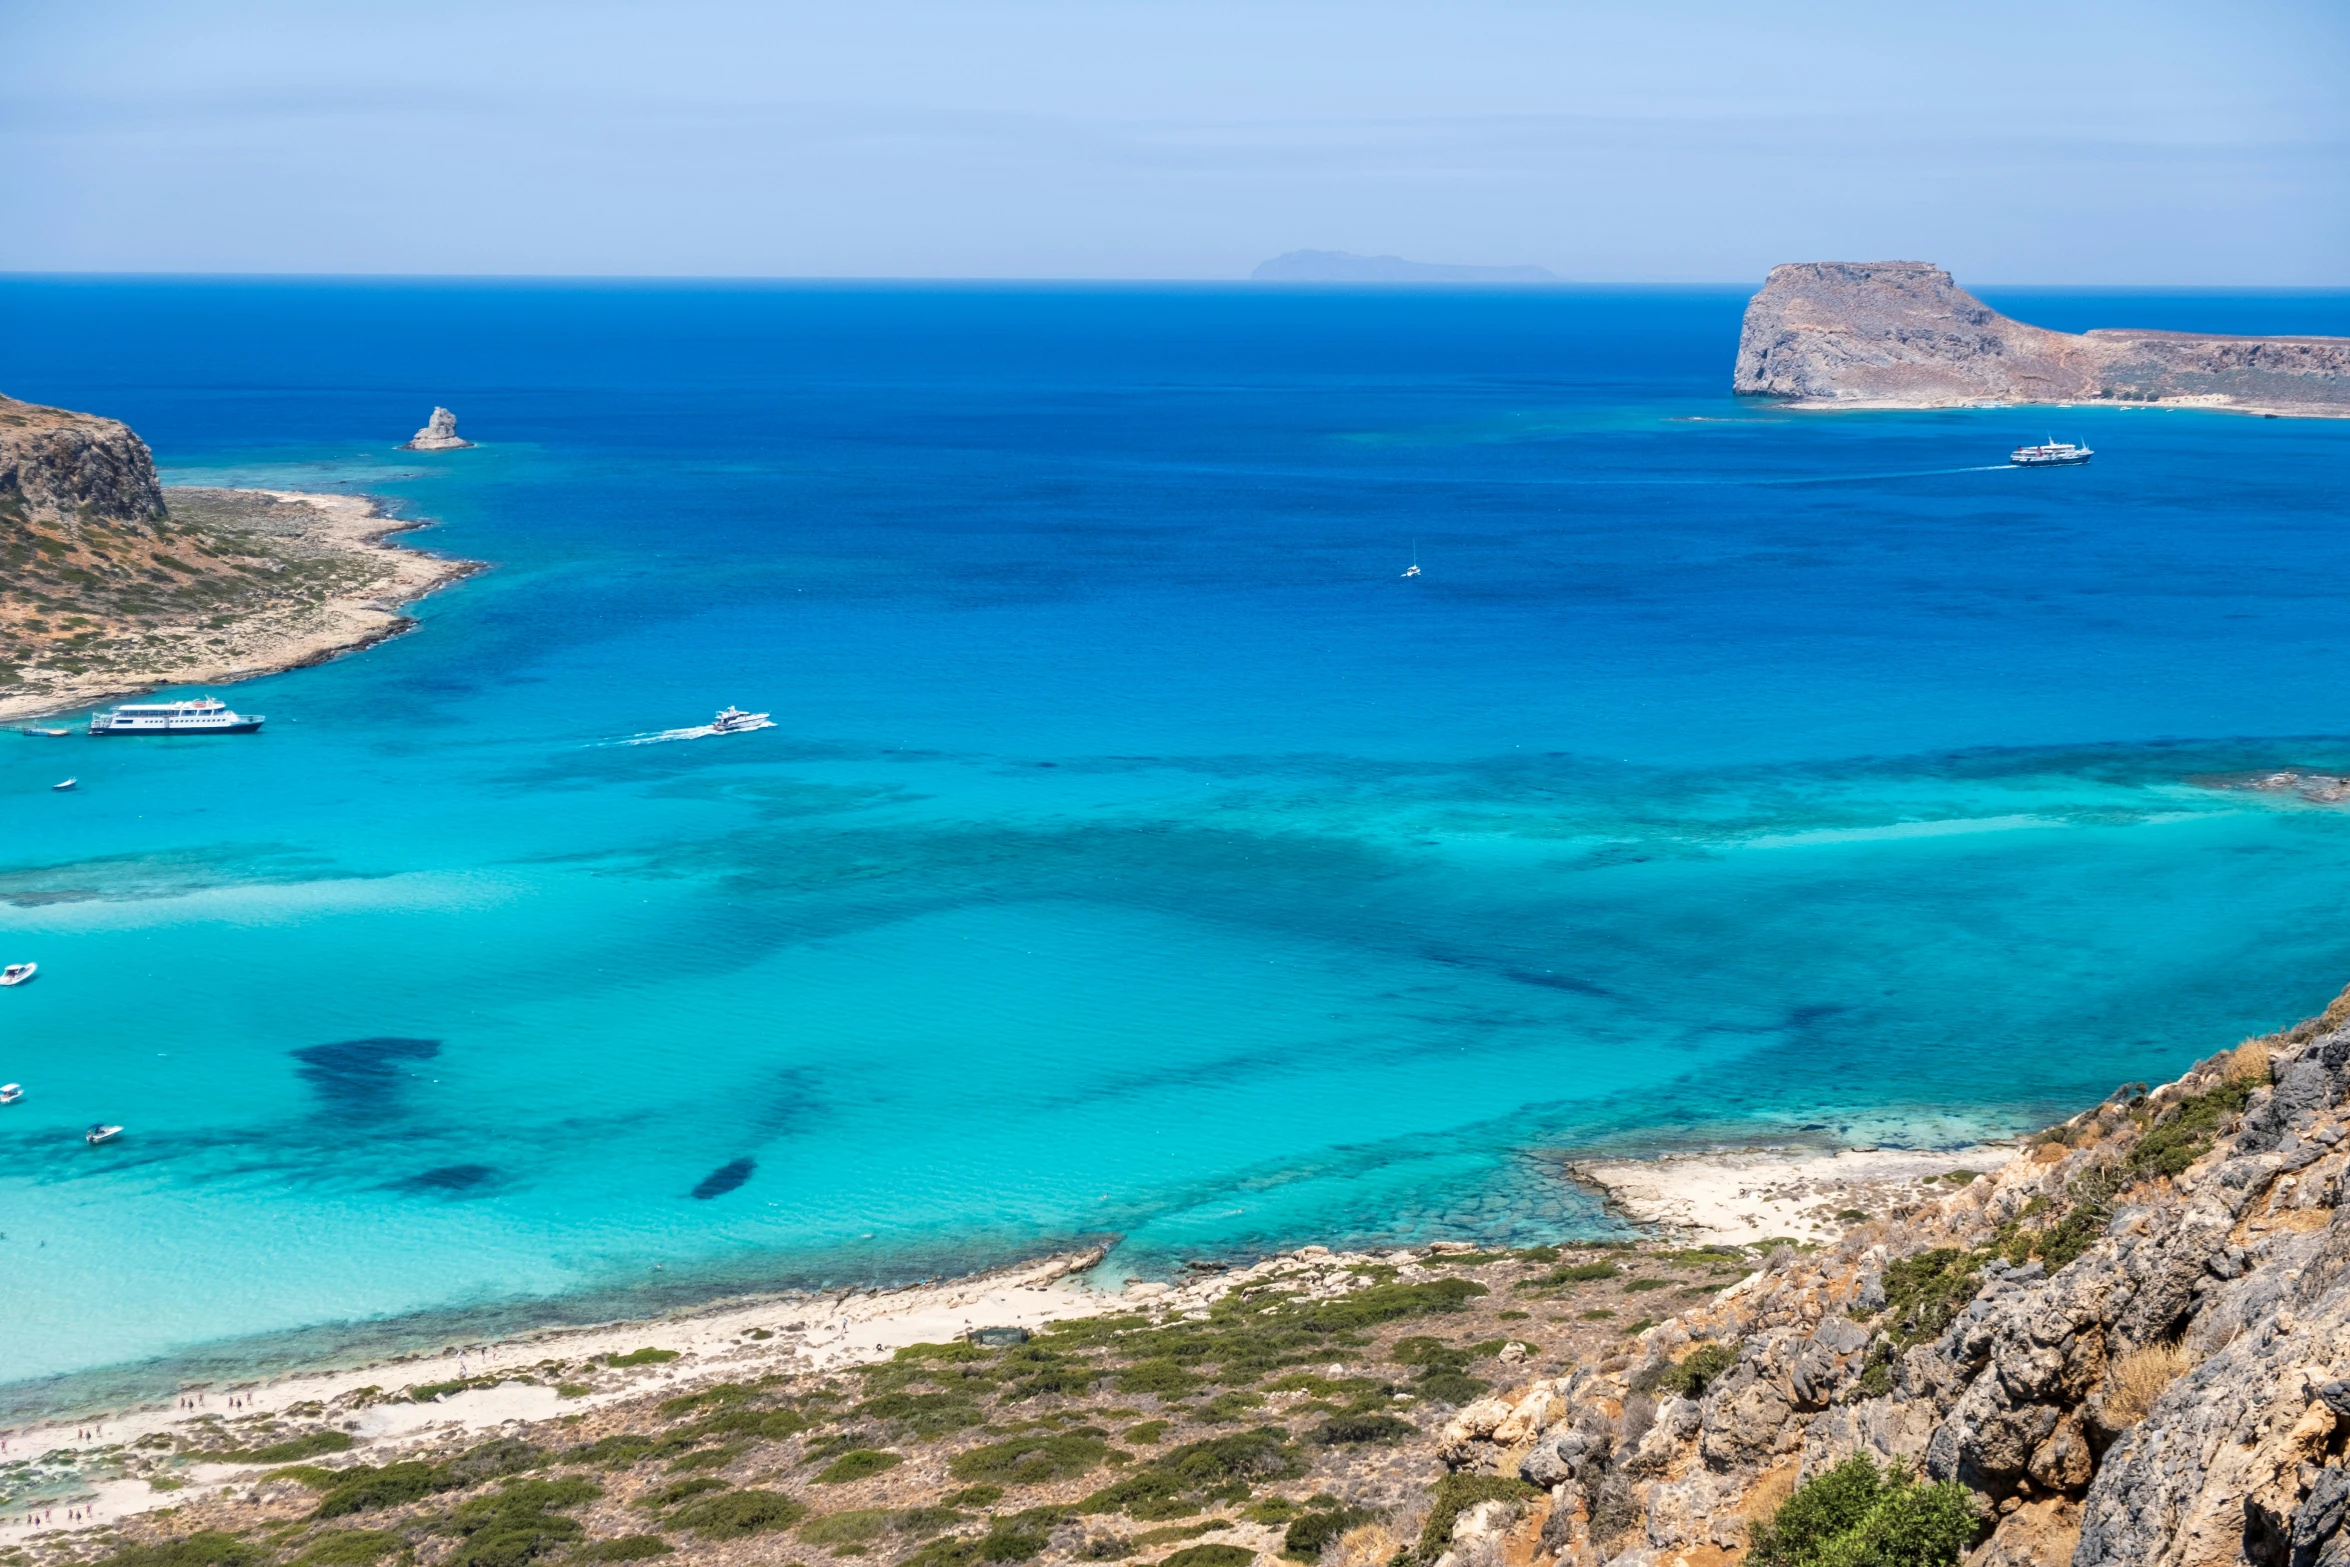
(1765, 1194)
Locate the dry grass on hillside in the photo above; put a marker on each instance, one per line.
(2138, 1378)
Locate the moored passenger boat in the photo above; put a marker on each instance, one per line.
(207, 715)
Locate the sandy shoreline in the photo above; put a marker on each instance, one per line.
(1749, 1197)
(291, 633)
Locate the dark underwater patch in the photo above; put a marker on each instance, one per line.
(448, 1180)
(725, 1179)
(360, 1079)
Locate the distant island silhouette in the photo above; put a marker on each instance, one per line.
(1338, 266)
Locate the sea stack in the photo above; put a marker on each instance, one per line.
(1904, 334)
(438, 435)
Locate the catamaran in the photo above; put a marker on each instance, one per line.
(206, 715)
(2055, 454)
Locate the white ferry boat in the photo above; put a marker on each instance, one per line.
(206, 715)
(2055, 454)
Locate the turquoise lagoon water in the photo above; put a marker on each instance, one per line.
(1137, 853)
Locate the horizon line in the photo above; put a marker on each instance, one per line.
(721, 279)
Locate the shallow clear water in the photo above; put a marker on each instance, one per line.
(1137, 852)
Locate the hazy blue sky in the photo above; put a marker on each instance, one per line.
(2140, 142)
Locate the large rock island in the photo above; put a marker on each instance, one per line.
(116, 585)
(1903, 334)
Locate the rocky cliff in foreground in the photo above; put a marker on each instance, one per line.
(1902, 333)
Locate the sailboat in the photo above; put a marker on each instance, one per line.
(1413, 569)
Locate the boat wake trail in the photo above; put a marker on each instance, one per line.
(697, 732)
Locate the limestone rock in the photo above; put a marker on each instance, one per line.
(438, 435)
(1903, 332)
(67, 467)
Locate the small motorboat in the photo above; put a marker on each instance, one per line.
(59, 788)
(101, 1133)
(10, 1093)
(733, 720)
(18, 973)
(54, 734)
(1413, 569)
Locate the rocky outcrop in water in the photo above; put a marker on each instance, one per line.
(438, 435)
(1903, 333)
(2131, 1347)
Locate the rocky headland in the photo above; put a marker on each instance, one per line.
(116, 585)
(1903, 334)
(2126, 1342)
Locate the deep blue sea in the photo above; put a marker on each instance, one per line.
(1137, 851)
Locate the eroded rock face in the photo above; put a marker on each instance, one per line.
(1902, 332)
(73, 468)
(2089, 1270)
(438, 435)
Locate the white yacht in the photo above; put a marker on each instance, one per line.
(733, 720)
(18, 973)
(2055, 454)
(205, 715)
(10, 1093)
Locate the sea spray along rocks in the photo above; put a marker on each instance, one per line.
(2128, 1344)
(1902, 333)
(438, 435)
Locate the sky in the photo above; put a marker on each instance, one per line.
(2138, 143)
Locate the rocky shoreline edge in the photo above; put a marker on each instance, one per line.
(352, 588)
(2126, 1340)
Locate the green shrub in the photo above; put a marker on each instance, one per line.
(1450, 1387)
(1162, 1378)
(862, 1526)
(1031, 1460)
(1349, 1429)
(1210, 1556)
(308, 1445)
(923, 1522)
(210, 1548)
(363, 1489)
(683, 1490)
(350, 1547)
(708, 1458)
(1007, 1540)
(766, 1425)
(1368, 1308)
(973, 1496)
(1308, 1536)
(1851, 1215)
(1150, 1433)
(861, 1463)
(647, 1356)
(1455, 1495)
(2186, 1131)
(310, 1475)
(733, 1515)
(1228, 1408)
(1857, 1515)
(1640, 1286)
(1697, 1369)
(627, 1548)
(1923, 1293)
(1181, 1480)
(1580, 1273)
